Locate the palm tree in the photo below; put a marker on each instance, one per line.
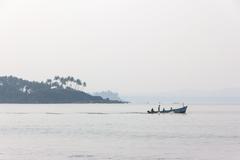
(62, 80)
(78, 81)
(71, 79)
(68, 78)
(56, 77)
(49, 81)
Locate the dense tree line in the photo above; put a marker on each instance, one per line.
(66, 82)
(56, 90)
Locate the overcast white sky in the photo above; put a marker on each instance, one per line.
(129, 46)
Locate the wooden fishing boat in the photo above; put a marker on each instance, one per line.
(178, 110)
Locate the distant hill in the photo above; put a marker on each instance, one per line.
(57, 90)
(108, 94)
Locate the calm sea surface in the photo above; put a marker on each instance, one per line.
(118, 132)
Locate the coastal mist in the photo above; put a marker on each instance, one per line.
(118, 132)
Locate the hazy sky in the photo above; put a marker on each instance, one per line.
(128, 46)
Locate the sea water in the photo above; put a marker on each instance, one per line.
(118, 132)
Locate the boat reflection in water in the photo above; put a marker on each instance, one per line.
(182, 110)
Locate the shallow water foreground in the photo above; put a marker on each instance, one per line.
(118, 132)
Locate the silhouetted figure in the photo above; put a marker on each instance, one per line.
(152, 110)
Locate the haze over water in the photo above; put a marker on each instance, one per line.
(147, 51)
(137, 48)
(117, 132)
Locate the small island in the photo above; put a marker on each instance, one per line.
(108, 94)
(56, 90)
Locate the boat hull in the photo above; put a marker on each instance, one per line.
(166, 111)
(180, 110)
(149, 112)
